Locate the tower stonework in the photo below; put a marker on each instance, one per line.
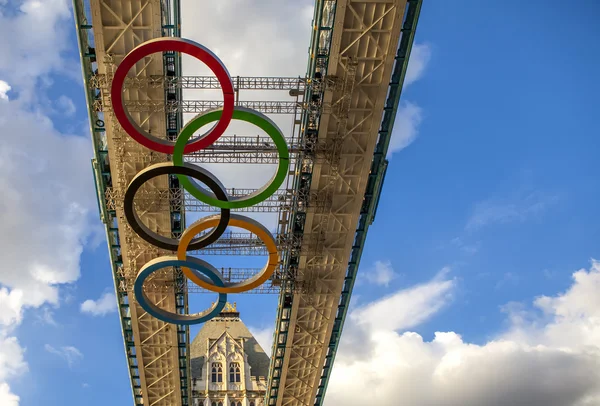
(228, 366)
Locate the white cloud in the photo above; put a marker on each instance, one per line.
(44, 219)
(381, 274)
(550, 359)
(66, 105)
(11, 358)
(273, 40)
(12, 364)
(45, 175)
(7, 398)
(32, 53)
(46, 316)
(264, 336)
(107, 303)
(4, 89)
(69, 353)
(419, 59)
(406, 127)
(409, 114)
(494, 211)
(10, 306)
(418, 303)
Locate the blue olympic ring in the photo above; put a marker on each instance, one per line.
(201, 268)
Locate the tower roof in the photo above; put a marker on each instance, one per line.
(230, 322)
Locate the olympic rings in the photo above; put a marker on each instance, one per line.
(250, 116)
(199, 267)
(198, 271)
(179, 45)
(168, 168)
(236, 220)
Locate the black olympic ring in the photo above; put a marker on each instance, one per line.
(168, 168)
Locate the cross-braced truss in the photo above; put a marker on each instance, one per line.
(355, 41)
(119, 26)
(205, 82)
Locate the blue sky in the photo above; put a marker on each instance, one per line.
(487, 213)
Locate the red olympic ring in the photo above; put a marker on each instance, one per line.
(178, 45)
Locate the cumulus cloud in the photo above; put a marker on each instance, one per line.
(264, 336)
(66, 106)
(107, 303)
(7, 398)
(381, 274)
(44, 218)
(4, 89)
(10, 306)
(36, 52)
(273, 40)
(45, 175)
(69, 353)
(11, 358)
(406, 127)
(419, 59)
(549, 356)
(410, 114)
(418, 303)
(12, 364)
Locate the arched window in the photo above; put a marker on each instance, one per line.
(251, 403)
(214, 404)
(234, 372)
(220, 403)
(216, 373)
(239, 403)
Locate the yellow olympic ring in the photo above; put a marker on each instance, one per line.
(235, 220)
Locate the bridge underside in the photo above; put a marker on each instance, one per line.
(344, 111)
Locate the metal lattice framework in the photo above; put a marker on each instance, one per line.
(357, 42)
(343, 114)
(156, 351)
(198, 106)
(204, 82)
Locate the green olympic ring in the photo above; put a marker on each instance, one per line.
(249, 116)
